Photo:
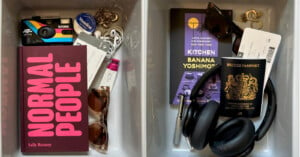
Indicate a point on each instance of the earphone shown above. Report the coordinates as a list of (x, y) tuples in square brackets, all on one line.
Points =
[(235, 137)]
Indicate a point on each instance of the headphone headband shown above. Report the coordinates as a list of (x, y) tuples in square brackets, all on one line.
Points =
[(271, 108)]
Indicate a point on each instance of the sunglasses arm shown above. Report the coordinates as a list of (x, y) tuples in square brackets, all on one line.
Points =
[(237, 30)]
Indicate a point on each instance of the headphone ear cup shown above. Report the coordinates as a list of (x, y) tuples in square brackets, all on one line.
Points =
[(233, 137), (205, 124), (189, 119)]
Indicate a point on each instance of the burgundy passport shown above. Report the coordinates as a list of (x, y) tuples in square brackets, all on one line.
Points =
[(53, 91)]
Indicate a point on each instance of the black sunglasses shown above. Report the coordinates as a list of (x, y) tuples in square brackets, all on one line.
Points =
[(222, 26)]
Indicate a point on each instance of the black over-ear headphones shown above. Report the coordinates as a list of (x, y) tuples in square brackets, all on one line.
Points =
[(232, 138)]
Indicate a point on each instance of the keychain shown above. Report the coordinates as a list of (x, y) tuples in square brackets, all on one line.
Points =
[(254, 17), (105, 17)]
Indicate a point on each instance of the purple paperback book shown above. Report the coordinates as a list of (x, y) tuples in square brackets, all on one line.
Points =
[(193, 51)]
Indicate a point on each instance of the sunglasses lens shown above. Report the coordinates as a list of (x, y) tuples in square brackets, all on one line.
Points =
[(98, 134), (236, 45), (98, 100), (216, 23)]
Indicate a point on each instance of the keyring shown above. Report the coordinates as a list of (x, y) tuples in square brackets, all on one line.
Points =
[(253, 16), (105, 17)]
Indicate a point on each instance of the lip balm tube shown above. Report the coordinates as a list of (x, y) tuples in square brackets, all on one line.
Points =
[(110, 74)]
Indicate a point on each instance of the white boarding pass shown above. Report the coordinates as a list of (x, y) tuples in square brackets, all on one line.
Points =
[(260, 44)]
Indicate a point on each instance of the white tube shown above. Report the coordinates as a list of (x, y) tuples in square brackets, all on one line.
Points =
[(110, 74)]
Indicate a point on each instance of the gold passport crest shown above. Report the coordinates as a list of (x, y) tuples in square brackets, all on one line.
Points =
[(241, 87)]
